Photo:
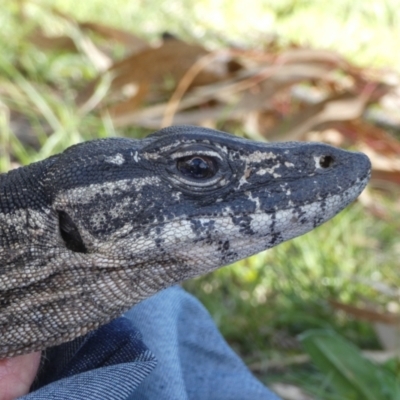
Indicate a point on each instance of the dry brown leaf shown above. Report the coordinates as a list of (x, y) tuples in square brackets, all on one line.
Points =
[(366, 313), (183, 86), (130, 105), (375, 138), (45, 42), (155, 66), (381, 162), (235, 97), (379, 178), (313, 56), (340, 107), (131, 41)]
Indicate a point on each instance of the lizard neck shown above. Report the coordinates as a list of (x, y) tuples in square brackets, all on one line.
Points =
[(20, 187)]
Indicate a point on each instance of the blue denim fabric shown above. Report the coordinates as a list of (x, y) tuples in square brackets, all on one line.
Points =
[(108, 363), (114, 362)]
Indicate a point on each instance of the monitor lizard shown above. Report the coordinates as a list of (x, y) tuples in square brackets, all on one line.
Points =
[(88, 233)]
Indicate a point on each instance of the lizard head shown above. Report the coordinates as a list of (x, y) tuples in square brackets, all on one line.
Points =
[(117, 220), (187, 200)]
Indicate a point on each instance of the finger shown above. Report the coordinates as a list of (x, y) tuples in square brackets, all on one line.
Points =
[(17, 375)]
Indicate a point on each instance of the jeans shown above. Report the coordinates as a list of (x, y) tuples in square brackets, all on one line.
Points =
[(166, 347)]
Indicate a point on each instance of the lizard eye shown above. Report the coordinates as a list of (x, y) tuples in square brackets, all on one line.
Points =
[(197, 167)]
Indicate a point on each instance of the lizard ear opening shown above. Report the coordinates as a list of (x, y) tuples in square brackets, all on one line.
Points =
[(70, 233)]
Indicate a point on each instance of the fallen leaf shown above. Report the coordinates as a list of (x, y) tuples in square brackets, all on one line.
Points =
[(340, 107), (45, 42), (132, 42), (366, 313)]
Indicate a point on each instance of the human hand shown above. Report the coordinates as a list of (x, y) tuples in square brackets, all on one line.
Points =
[(17, 375)]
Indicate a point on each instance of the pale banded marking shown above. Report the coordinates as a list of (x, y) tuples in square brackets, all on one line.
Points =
[(86, 194), (263, 171), (258, 156), (174, 144), (117, 159), (195, 153), (255, 200)]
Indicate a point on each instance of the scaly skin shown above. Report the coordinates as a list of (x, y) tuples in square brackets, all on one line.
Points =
[(88, 233)]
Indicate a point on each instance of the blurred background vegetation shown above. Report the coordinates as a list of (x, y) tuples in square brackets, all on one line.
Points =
[(267, 70)]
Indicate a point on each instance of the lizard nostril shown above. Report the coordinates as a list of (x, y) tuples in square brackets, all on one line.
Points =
[(326, 161)]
